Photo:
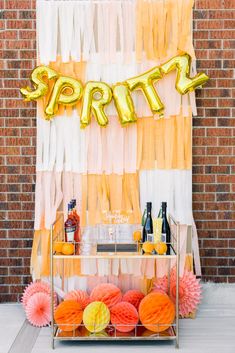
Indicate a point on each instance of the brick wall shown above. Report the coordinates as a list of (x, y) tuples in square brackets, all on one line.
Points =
[(17, 146), (214, 139), (213, 147)]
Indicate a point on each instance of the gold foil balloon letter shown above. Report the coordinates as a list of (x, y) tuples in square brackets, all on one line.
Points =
[(66, 91), (145, 83), (184, 83), (41, 87), (124, 104), (95, 105)]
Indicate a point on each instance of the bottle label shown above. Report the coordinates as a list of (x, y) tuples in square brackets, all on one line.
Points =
[(150, 238), (70, 233), (164, 237)]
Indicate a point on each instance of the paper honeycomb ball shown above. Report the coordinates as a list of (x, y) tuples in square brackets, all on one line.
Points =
[(68, 315), (96, 316), (124, 316), (133, 297), (107, 293), (80, 296), (157, 312)]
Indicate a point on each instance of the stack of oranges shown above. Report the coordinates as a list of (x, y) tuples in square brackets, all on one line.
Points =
[(64, 248)]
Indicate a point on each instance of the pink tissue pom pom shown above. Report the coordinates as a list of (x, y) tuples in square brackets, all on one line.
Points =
[(80, 296), (36, 287), (38, 310)]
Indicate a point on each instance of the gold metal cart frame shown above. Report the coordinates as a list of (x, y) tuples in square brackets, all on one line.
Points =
[(171, 334)]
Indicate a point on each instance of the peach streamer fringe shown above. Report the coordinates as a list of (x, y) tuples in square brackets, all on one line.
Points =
[(163, 28), (164, 143)]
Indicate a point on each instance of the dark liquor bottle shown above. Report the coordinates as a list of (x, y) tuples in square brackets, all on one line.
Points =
[(70, 225), (166, 231), (147, 234)]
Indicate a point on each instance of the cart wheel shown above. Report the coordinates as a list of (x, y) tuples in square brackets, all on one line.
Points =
[(52, 343), (177, 344)]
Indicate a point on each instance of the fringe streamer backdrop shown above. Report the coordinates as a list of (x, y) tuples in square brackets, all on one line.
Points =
[(116, 168)]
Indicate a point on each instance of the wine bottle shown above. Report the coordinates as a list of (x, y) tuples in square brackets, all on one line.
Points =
[(70, 225), (147, 234), (166, 232)]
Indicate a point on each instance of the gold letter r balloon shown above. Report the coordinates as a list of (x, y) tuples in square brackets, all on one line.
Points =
[(95, 104)]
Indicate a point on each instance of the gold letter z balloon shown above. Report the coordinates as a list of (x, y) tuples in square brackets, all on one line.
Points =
[(184, 83), (95, 105), (66, 91), (41, 87), (145, 83), (124, 104)]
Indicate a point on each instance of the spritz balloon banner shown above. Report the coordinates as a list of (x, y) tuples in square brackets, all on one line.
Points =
[(68, 91)]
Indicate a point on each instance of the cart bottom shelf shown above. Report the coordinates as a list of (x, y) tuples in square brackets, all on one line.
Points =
[(110, 334)]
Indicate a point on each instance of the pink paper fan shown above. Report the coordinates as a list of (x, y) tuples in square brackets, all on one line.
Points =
[(36, 287), (80, 296), (189, 291), (38, 309)]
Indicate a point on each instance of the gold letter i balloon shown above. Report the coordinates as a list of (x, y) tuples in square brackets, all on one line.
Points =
[(95, 105), (124, 104)]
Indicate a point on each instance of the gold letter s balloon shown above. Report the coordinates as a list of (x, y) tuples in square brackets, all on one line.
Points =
[(66, 91), (184, 83), (37, 76), (145, 83), (95, 105), (124, 104)]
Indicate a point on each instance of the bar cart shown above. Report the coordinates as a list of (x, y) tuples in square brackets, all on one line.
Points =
[(112, 334)]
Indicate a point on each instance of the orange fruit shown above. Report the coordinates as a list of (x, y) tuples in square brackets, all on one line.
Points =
[(68, 249), (161, 248), (148, 247), (58, 246), (137, 235)]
